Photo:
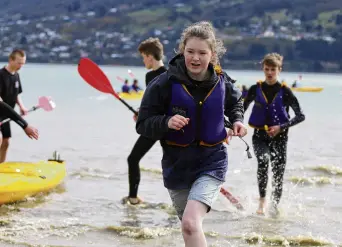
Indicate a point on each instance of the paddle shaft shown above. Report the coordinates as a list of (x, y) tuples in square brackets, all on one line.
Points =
[(128, 106), (112, 91)]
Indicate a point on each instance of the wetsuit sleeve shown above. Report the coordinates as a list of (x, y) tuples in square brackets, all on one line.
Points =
[(152, 119), (291, 100), (233, 105), (9, 112), (249, 97)]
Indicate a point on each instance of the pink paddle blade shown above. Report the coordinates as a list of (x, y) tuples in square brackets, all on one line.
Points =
[(120, 79), (46, 103)]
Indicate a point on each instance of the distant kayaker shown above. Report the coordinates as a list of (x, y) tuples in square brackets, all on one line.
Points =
[(10, 90), (152, 53), (271, 122), (135, 86), (125, 87), (185, 109)]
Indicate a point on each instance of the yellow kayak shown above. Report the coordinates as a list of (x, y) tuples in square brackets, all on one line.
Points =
[(19, 180), (307, 89), (132, 95)]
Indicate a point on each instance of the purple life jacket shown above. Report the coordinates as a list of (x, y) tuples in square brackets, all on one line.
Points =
[(268, 113), (206, 124)]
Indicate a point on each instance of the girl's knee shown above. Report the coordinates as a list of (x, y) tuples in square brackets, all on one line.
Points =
[(193, 217), (190, 225)]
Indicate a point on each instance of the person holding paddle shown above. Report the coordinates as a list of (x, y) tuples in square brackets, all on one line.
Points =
[(152, 52), (271, 122), (185, 109), (10, 89)]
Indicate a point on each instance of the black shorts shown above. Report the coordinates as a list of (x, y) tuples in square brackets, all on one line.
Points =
[(6, 130)]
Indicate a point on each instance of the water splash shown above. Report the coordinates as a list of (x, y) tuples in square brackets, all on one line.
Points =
[(314, 180), (141, 233), (329, 169)]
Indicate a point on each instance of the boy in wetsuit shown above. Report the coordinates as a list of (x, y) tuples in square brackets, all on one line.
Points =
[(10, 89), (271, 122), (152, 52)]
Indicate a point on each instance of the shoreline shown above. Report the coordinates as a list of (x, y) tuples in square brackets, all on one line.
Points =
[(237, 67)]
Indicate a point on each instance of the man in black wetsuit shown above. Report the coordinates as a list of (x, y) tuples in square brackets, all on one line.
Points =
[(271, 121), (10, 89), (151, 51)]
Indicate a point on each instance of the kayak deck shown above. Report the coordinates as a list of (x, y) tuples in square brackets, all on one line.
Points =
[(19, 180), (132, 95), (307, 89)]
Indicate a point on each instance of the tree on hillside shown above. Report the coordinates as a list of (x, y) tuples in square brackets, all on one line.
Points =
[(338, 19)]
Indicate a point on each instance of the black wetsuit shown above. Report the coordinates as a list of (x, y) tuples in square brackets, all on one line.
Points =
[(273, 149), (8, 112), (141, 147), (10, 88)]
